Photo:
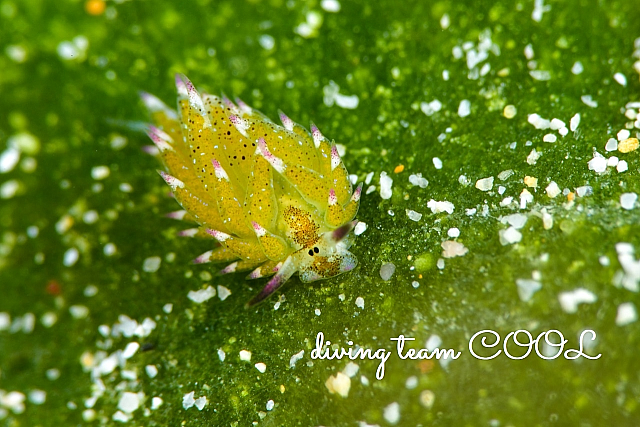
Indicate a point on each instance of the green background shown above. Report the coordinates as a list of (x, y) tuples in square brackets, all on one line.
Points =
[(392, 56)]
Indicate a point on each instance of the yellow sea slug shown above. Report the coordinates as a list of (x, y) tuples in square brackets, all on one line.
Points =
[(277, 198)]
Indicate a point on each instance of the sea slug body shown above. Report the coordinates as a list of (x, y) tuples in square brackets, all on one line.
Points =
[(276, 198)]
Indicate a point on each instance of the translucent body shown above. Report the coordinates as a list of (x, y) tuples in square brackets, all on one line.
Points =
[(276, 198)]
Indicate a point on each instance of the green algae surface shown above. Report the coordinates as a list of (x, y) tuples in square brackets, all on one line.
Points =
[(96, 323)]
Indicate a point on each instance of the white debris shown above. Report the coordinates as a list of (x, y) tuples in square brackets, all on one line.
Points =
[(418, 180), (151, 370), (525, 197), (413, 215), (360, 228), (538, 122), (339, 383), (156, 402), (392, 413), (351, 369), (598, 164), (612, 161), (622, 166), (387, 270), (628, 200), (588, 100), (577, 68), (431, 107), (187, 400), (620, 78), (623, 134), (533, 156), (70, 257), (437, 207), (369, 178), (202, 295), (451, 249), (330, 6), (332, 90), (549, 138), (453, 232), (151, 264), (556, 124), (261, 367), (37, 397), (527, 287), (509, 236), (528, 52), (437, 163), (485, 184), (626, 314), (121, 417), (385, 186), (270, 404), (506, 174), (547, 219), (552, 189), (360, 302), (575, 122), (221, 355), (9, 159), (223, 292), (584, 190), (299, 355), (130, 350), (245, 355), (128, 402), (445, 21), (167, 308), (100, 172), (540, 75), (516, 220), (464, 109), (510, 111), (78, 311), (569, 300)]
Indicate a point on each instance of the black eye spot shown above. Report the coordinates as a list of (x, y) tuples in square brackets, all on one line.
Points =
[(310, 252), (316, 250)]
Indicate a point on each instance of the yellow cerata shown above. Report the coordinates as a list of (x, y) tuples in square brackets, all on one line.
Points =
[(277, 198)]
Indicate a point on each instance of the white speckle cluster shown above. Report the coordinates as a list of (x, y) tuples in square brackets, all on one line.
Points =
[(360, 228), (392, 413), (626, 314), (437, 207), (451, 249), (294, 359), (569, 300), (430, 108), (413, 215), (418, 180), (630, 277), (338, 384), (223, 292), (527, 287), (628, 200), (387, 270), (202, 295), (464, 109), (332, 96), (485, 184), (385, 186)]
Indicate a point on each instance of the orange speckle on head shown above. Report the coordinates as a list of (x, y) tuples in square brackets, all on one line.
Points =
[(398, 169), (95, 7)]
